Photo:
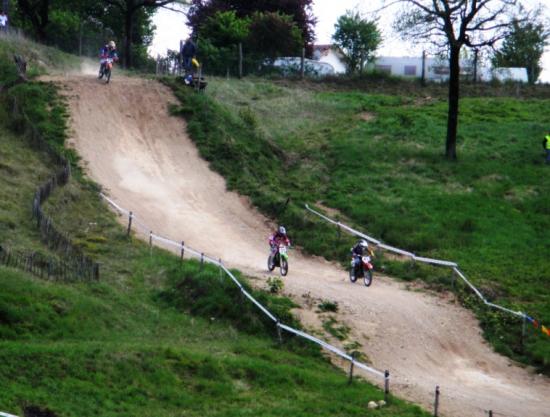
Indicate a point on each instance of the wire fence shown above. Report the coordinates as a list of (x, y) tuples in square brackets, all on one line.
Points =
[(182, 249), (78, 266), (437, 262)]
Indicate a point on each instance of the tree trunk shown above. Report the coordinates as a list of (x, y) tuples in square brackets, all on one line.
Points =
[(128, 28), (454, 89)]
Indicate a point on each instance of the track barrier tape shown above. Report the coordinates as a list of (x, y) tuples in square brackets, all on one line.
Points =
[(219, 263), (431, 261)]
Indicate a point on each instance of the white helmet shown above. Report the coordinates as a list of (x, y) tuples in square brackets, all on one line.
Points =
[(112, 44), (364, 244), (282, 230)]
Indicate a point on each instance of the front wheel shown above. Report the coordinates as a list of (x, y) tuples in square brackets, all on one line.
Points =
[(284, 267), (270, 263), (367, 277), (352, 276), (107, 74)]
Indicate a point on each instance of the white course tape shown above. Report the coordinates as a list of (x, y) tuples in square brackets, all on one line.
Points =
[(332, 349), (261, 307), (435, 261), (474, 289), (6, 415)]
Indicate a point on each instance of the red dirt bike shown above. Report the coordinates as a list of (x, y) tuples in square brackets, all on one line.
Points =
[(278, 257), (361, 267), (105, 69)]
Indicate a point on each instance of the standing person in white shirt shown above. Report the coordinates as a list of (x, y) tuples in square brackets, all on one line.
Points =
[(3, 21)]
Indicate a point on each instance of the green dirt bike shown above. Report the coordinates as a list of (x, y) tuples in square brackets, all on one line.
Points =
[(278, 258)]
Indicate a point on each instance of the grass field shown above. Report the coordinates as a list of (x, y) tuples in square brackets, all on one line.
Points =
[(378, 160), (154, 336)]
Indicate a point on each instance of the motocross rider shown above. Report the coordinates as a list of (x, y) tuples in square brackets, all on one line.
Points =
[(359, 250), (107, 52), (279, 238)]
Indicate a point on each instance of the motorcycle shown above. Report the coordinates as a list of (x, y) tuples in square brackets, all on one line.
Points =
[(279, 258), (362, 269), (105, 69)]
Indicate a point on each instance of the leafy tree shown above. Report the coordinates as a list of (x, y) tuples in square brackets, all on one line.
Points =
[(523, 47), (450, 25), (38, 14), (299, 10), (358, 38), (220, 35), (225, 28), (274, 34)]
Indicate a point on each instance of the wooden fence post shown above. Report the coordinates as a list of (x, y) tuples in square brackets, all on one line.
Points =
[(129, 224), (240, 60), (303, 63), (352, 363), (202, 261), (182, 251), (386, 385), (279, 333), (436, 402), (151, 243)]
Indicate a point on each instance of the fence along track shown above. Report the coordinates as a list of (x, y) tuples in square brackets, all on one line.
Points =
[(83, 267), (385, 376), (436, 262)]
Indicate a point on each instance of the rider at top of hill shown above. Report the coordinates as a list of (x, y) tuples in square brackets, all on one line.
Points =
[(360, 248), (279, 237), (107, 52)]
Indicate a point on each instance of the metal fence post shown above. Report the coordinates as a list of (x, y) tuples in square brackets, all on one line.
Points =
[(221, 269), (182, 250), (303, 63), (129, 224), (202, 261), (436, 403), (151, 242), (352, 363), (386, 384)]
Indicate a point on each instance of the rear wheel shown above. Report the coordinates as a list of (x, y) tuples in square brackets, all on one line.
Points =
[(367, 277), (284, 267)]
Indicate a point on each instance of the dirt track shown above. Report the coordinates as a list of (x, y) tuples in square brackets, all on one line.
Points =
[(145, 161)]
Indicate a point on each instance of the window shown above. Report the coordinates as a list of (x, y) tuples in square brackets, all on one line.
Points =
[(383, 68), (410, 70)]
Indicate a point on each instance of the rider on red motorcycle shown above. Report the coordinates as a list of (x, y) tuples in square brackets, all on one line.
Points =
[(279, 238), (359, 250), (106, 53)]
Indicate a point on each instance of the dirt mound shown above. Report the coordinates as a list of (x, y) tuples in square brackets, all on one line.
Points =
[(146, 162)]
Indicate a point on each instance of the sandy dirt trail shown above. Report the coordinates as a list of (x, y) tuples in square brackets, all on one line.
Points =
[(145, 161)]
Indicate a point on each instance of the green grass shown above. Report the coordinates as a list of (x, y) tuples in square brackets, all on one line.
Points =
[(154, 336), (378, 160)]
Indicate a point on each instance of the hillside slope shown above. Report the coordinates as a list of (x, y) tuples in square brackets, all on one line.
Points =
[(145, 161)]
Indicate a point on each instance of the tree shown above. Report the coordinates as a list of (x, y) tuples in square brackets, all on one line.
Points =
[(299, 10), (219, 37), (523, 47), (450, 25), (38, 14), (129, 10), (274, 34), (358, 38)]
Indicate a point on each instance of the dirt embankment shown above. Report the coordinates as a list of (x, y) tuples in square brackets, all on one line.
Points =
[(145, 161)]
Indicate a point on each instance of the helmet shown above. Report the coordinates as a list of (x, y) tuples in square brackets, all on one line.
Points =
[(112, 44), (282, 230), (364, 244)]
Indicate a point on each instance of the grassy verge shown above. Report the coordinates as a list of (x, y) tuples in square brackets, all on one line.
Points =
[(154, 336), (377, 159)]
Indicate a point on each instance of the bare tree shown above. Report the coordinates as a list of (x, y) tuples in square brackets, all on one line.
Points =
[(450, 25)]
